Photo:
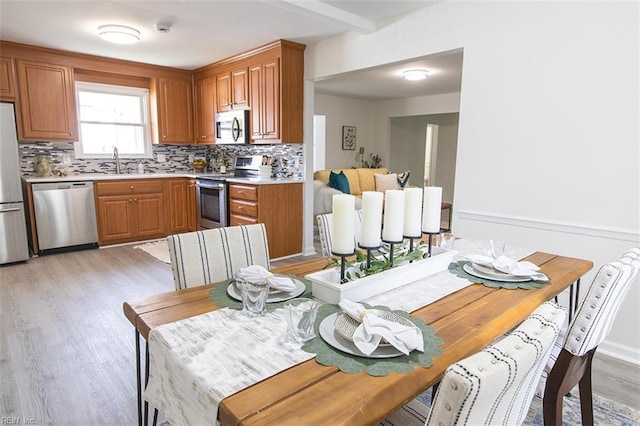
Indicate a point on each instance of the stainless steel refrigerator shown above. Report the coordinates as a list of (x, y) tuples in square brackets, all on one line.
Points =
[(13, 230)]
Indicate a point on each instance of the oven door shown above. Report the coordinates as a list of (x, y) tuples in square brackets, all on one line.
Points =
[(211, 196)]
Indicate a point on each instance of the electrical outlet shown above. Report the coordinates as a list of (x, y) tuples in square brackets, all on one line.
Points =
[(66, 159), (162, 158), (191, 158)]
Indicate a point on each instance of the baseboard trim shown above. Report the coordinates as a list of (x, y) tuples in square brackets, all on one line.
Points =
[(621, 352), (553, 226)]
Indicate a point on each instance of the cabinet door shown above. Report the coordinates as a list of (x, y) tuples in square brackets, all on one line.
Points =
[(47, 102), (175, 106), (7, 79), (114, 219), (240, 88), (223, 92), (271, 100), (149, 215), (264, 95), (205, 99), (179, 201)]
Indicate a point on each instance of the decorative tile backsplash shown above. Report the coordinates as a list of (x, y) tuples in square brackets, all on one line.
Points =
[(289, 161)]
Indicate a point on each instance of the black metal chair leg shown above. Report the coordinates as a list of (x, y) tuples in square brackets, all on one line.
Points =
[(138, 378), (146, 380)]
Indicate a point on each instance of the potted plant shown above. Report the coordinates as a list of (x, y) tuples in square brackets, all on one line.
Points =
[(199, 165)]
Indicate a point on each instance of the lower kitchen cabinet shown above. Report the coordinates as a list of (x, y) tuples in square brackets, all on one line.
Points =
[(182, 202), (278, 206), (130, 210)]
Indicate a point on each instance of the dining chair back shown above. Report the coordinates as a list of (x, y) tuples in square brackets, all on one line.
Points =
[(570, 363), (325, 230), (497, 385), (213, 255)]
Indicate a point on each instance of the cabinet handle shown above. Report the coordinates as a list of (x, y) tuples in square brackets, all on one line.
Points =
[(130, 200), (240, 207), (240, 192), (131, 187), (135, 200)]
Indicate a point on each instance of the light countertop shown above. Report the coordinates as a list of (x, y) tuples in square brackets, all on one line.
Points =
[(104, 176)]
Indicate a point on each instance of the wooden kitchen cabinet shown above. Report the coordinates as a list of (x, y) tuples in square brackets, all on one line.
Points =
[(278, 206), (8, 91), (264, 96), (175, 111), (46, 102), (182, 202), (130, 210), (205, 109), (232, 87)]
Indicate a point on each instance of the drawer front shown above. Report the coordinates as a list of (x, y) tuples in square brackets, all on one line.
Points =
[(244, 208), (242, 220), (141, 186), (243, 192)]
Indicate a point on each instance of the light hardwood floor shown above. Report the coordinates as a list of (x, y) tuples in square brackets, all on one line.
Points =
[(67, 352)]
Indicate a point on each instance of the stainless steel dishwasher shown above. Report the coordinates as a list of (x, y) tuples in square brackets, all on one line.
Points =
[(65, 214)]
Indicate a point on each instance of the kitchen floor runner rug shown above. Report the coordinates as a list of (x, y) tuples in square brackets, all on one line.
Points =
[(158, 249)]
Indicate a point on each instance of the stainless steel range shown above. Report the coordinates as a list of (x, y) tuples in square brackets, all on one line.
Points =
[(212, 194)]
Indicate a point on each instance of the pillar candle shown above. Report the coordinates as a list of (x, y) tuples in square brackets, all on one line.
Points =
[(371, 219), (432, 204), (343, 224), (393, 216), (412, 212)]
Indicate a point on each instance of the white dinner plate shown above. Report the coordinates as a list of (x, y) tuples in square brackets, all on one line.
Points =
[(495, 276), (333, 339), (274, 297)]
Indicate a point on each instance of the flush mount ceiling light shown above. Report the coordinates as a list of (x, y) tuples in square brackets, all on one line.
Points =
[(415, 75), (119, 34)]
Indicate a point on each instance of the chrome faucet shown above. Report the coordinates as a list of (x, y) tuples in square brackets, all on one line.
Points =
[(117, 158)]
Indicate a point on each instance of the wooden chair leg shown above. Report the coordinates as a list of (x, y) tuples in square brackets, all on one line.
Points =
[(586, 393)]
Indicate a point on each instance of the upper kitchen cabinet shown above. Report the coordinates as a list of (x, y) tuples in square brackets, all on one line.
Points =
[(232, 88), (264, 96), (46, 102), (8, 91), (175, 110), (205, 99), (276, 93)]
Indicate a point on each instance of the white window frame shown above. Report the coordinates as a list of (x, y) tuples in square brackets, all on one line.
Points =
[(141, 93)]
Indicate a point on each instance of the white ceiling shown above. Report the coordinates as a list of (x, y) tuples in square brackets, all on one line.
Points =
[(206, 31)]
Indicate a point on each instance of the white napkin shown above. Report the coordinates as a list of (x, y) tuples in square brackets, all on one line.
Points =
[(257, 274), (509, 266), (520, 269), (373, 329)]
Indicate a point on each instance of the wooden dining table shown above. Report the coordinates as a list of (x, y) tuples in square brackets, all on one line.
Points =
[(467, 320)]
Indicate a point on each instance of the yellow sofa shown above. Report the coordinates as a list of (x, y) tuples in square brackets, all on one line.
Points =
[(360, 180)]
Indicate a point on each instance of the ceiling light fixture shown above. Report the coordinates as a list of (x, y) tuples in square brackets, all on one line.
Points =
[(415, 75), (119, 34)]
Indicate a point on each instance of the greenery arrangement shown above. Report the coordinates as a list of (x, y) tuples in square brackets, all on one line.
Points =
[(199, 162), (378, 263), (374, 162)]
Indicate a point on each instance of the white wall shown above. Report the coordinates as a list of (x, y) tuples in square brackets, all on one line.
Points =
[(548, 152), (341, 111)]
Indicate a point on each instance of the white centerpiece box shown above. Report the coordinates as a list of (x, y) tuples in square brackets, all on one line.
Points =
[(326, 284)]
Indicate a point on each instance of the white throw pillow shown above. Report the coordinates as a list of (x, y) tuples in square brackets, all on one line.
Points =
[(386, 182)]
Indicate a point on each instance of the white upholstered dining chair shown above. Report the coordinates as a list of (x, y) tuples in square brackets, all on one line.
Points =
[(496, 385), (570, 362), (325, 230), (213, 255)]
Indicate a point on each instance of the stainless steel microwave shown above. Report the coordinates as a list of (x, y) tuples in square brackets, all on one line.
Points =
[(232, 127)]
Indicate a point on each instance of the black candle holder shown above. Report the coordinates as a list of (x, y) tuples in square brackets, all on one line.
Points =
[(411, 238), (369, 249), (391, 249), (343, 258), (430, 234)]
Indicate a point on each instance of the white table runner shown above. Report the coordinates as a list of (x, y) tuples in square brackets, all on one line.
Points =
[(197, 362)]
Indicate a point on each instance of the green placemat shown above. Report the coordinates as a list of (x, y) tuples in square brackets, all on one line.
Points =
[(219, 294), (327, 355), (456, 269)]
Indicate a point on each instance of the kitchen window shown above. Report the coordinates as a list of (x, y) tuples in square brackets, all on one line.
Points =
[(112, 116)]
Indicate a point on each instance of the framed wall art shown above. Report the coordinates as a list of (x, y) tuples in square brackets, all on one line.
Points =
[(349, 138)]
